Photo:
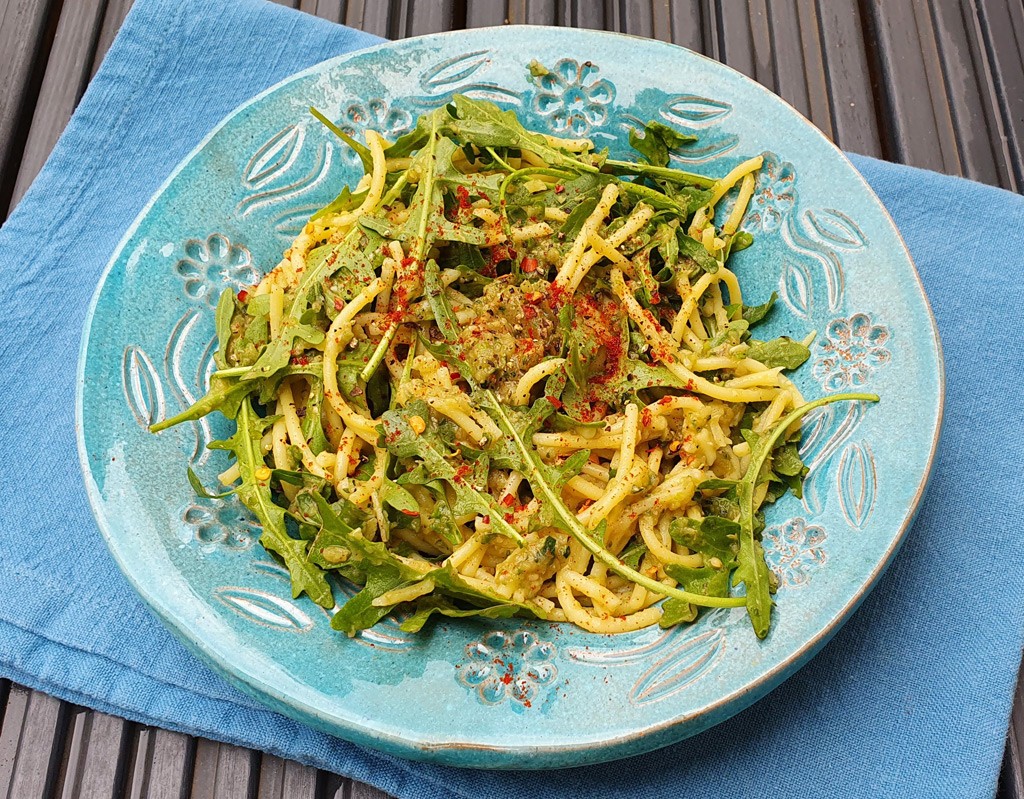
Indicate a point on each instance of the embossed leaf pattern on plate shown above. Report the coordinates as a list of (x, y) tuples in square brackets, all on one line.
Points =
[(143, 391), (686, 662), (856, 482), (265, 608)]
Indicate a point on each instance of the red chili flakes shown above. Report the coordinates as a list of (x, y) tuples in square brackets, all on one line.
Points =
[(554, 401), (529, 312), (411, 512), (666, 400), (559, 188), (243, 296), (646, 417), (486, 520), (529, 265), (508, 500), (462, 194), (338, 304)]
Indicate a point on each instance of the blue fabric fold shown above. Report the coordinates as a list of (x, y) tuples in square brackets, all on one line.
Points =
[(911, 698)]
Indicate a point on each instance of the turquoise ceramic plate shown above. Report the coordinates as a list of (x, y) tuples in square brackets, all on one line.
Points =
[(506, 694)]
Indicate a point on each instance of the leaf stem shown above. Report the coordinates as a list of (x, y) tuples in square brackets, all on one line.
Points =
[(661, 172)]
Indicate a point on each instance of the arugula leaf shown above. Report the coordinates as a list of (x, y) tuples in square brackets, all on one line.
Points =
[(634, 554), (658, 141), (676, 611), (705, 580), (448, 581), (782, 351), (445, 318), (755, 313), (367, 554), (224, 396), (254, 492), (752, 570), (360, 149), (483, 124), (393, 495), (222, 322), (712, 536), (201, 490), (740, 241), (786, 460), (402, 441), (574, 222), (693, 250), (359, 613), (429, 605)]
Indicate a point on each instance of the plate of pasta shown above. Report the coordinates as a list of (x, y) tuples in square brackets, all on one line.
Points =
[(509, 412)]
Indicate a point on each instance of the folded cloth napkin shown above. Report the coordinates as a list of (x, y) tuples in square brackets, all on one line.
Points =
[(911, 698)]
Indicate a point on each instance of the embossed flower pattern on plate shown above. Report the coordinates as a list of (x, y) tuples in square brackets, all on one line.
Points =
[(509, 666), (573, 97), (213, 264), (774, 195), (852, 349), (794, 550), (220, 523)]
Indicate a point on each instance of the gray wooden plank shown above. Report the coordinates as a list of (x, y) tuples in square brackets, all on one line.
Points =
[(160, 765), (1001, 24), (68, 70), (113, 16), (580, 15), (94, 759), (635, 17), (411, 18), (854, 117), (222, 771), (333, 10), (484, 13), (23, 35), (971, 94), (285, 779), (686, 25), (532, 12), (1012, 781), (920, 124), (360, 790), (30, 743), (734, 40), (371, 16)]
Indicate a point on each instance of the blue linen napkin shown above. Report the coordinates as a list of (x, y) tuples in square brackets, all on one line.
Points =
[(911, 698)]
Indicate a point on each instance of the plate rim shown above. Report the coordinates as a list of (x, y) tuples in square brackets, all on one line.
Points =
[(363, 731)]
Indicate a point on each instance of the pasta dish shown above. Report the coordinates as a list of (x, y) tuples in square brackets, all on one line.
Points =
[(506, 374)]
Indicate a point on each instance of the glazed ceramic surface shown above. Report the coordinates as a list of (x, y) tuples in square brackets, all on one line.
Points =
[(512, 693)]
